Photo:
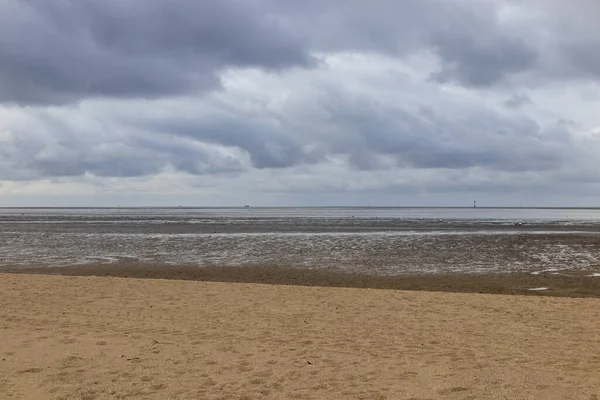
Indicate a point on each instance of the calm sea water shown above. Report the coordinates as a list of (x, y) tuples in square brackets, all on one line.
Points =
[(371, 240)]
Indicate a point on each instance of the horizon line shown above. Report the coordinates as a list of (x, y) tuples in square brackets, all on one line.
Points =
[(304, 206)]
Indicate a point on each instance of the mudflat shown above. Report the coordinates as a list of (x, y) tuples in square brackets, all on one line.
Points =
[(106, 337), (566, 283)]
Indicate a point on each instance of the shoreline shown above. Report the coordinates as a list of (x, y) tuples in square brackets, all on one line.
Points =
[(559, 285)]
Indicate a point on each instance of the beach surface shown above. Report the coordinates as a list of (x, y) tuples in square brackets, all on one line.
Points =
[(114, 338)]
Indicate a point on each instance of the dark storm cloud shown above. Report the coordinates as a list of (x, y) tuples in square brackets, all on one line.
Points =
[(52, 52), (474, 48), (63, 51), (473, 60), (477, 45)]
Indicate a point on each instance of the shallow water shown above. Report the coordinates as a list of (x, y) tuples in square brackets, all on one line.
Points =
[(384, 241)]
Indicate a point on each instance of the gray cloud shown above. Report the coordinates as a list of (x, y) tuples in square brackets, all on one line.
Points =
[(57, 52), (517, 100), (52, 146), (52, 52), (441, 140), (406, 96), (267, 146), (339, 123), (237, 131), (474, 47), (476, 43), (473, 60), (378, 137)]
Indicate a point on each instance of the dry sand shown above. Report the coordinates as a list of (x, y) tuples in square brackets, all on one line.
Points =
[(105, 337)]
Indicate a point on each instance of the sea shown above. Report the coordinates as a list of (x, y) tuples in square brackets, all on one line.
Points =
[(369, 240)]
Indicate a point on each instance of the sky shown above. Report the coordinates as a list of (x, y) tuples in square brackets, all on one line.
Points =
[(295, 103)]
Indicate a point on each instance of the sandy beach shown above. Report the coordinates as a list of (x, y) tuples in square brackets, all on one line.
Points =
[(106, 337)]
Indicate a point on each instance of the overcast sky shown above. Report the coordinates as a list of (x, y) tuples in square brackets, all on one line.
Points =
[(286, 102)]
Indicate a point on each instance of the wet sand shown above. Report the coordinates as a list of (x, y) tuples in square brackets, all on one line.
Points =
[(78, 337), (564, 284), (377, 242)]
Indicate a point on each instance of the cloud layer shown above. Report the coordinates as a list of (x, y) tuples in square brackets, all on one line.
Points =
[(301, 102), (60, 51)]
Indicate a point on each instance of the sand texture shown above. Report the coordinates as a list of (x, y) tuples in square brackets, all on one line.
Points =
[(115, 338)]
